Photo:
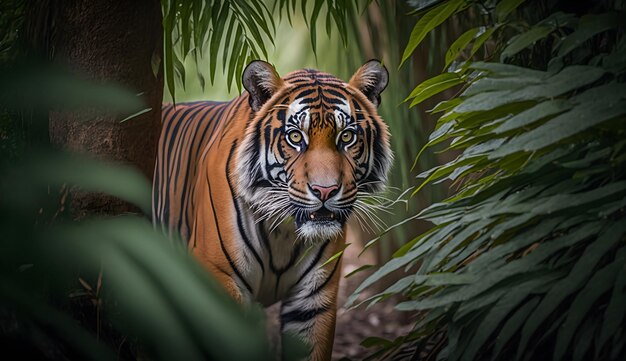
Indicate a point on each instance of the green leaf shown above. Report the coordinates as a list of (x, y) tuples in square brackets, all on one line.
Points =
[(524, 40), (481, 38), (169, 55), (57, 168), (512, 325), (252, 29), (444, 279), (335, 256), (185, 13), (135, 115), (293, 347), (400, 285), (317, 7), (375, 342), (433, 86), (428, 22), (216, 39), (446, 169), (359, 269), (510, 269), (534, 114), (445, 105), (155, 64), (515, 294), (409, 245), (419, 5), (588, 26), (389, 267), (567, 80), (599, 284), (235, 55), (577, 278), (179, 67), (495, 256), (489, 84), (460, 44), (614, 314), (504, 70), (585, 338), (41, 88), (505, 7), (230, 31), (138, 262), (396, 263), (469, 231), (582, 117)]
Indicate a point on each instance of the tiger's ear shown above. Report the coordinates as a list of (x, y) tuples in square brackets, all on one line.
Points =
[(371, 79), (260, 80)]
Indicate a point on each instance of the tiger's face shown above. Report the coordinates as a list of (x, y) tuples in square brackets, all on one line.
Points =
[(314, 148)]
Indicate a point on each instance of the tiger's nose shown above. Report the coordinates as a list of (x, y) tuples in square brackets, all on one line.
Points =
[(324, 192)]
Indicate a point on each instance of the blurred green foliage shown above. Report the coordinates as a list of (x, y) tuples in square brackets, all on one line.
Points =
[(100, 288)]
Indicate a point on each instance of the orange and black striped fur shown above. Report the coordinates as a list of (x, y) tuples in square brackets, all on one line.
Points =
[(261, 187)]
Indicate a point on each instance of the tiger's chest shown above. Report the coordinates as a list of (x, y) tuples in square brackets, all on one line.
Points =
[(274, 262)]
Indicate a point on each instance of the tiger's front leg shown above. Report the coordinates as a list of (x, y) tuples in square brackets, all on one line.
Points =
[(310, 310)]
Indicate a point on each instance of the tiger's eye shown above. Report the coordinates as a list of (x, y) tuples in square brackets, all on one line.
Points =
[(295, 137), (347, 136)]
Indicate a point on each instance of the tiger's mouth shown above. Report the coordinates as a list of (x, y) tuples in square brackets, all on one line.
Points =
[(321, 216), (320, 224)]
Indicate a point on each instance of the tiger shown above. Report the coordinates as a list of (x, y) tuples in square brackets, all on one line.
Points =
[(261, 187)]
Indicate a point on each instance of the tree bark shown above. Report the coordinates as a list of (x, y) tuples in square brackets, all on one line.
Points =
[(110, 41)]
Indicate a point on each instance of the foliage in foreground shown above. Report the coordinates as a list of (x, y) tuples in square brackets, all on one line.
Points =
[(527, 258), (104, 288)]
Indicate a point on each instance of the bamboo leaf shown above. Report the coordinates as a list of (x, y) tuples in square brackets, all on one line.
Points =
[(419, 5), (505, 7), (335, 256), (359, 269), (599, 284), (510, 269), (512, 325), (503, 307), (534, 114), (489, 84), (579, 274), (428, 22), (589, 26), (169, 61), (235, 54), (525, 40), (459, 45), (317, 7), (482, 37), (506, 70), (433, 86), (568, 79), (228, 51), (613, 316), (580, 118), (216, 39), (135, 115)]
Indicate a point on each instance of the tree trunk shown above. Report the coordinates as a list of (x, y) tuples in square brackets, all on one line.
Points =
[(110, 41)]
